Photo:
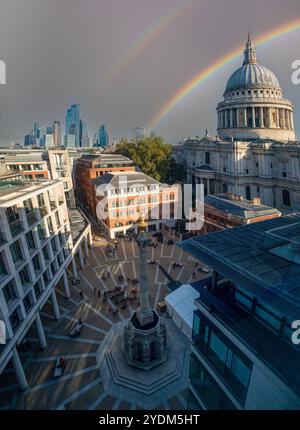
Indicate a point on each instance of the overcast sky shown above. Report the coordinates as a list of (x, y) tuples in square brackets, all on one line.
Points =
[(60, 52)]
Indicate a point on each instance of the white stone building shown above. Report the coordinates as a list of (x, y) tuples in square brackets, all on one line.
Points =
[(255, 153), (39, 240)]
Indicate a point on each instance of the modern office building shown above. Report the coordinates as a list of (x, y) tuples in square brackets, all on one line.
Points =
[(89, 167), (56, 131), (73, 123), (39, 240), (255, 152), (138, 132), (102, 137), (121, 197), (243, 356), (41, 165)]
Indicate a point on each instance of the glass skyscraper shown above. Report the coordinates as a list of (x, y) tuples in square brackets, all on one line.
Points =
[(73, 122), (103, 137)]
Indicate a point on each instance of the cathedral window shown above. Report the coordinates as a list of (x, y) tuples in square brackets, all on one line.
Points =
[(286, 198), (247, 171), (248, 193), (207, 158), (225, 188), (284, 174)]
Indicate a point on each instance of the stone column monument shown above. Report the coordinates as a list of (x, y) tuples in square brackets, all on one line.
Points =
[(145, 338)]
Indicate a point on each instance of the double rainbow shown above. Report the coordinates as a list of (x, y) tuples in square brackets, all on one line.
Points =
[(204, 74)]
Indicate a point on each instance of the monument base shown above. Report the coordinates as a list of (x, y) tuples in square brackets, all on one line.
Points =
[(145, 389)]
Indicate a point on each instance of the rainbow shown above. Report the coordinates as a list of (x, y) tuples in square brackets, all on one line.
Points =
[(204, 74), (150, 35)]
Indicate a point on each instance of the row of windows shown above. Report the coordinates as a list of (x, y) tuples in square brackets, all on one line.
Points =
[(255, 92)]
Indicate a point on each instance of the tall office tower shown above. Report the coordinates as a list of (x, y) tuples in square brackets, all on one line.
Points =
[(48, 138), (83, 134), (103, 137), (73, 123), (138, 132), (36, 131), (56, 131)]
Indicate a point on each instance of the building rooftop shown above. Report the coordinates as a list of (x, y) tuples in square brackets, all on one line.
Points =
[(262, 259), (238, 207), (105, 158), (120, 179), (10, 190)]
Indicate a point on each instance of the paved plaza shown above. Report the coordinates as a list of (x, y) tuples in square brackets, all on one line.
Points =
[(81, 386)]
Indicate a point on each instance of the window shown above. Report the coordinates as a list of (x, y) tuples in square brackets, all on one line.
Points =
[(248, 192), (24, 276), (3, 271), (207, 158), (36, 263), (224, 169), (286, 198), (41, 231), (15, 319), (284, 174), (257, 189), (46, 253), (30, 240), (53, 245), (41, 200), (38, 289), (16, 251), (225, 188), (57, 219), (27, 303), (228, 361), (13, 217), (28, 206), (247, 171), (9, 292)]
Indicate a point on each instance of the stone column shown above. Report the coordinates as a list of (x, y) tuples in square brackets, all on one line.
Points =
[(245, 117), (55, 305), (20, 374), (144, 313), (277, 118), (253, 117), (270, 117), (292, 120), (40, 331), (231, 118), (208, 186), (261, 117), (66, 285)]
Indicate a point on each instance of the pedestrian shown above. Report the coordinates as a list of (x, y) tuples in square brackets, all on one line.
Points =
[(81, 294), (99, 294), (94, 291), (194, 274)]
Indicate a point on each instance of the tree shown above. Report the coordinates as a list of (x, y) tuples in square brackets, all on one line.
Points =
[(151, 154)]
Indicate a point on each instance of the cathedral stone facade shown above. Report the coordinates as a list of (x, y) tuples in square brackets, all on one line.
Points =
[(255, 153)]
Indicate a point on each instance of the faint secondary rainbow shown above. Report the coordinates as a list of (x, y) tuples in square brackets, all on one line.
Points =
[(204, 74), (147, 37)]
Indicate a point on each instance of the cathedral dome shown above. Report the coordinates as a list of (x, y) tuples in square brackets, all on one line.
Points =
[(253, 106), (252, 76)]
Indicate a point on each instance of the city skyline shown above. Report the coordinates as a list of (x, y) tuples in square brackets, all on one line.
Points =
[(134, 59)]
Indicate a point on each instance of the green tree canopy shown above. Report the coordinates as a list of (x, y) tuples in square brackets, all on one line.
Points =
[(151, 154)]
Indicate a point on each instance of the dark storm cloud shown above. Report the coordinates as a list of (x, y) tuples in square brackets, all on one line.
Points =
[(60, 52)]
